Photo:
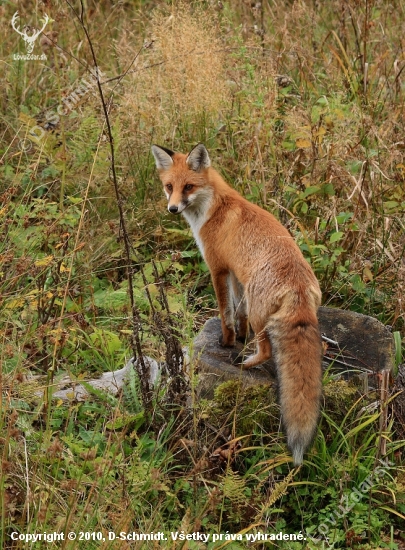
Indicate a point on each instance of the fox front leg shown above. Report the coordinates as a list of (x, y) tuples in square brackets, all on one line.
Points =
[(223, 292), (240, 306)]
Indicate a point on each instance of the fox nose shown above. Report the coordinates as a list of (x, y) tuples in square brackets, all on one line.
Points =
[(173, 209)]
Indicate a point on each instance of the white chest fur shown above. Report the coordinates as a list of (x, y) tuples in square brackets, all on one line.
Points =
[(196, 213)]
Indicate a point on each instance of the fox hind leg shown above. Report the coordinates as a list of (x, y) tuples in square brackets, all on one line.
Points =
[(263, 352)]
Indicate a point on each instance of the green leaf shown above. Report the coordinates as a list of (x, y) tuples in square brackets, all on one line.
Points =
[(323, 101), (391, 205), (328, 189), (190, 253), (50, 172), (289, 145), (125, 420), (105, 340), (111, 299), (311, 190), (343, 217), (336, 236)]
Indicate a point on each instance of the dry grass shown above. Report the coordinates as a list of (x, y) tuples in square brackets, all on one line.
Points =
[(181, 77), (277, 92)]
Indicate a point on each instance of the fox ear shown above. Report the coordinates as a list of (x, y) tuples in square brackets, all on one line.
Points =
[(163, 157), (198, 158)]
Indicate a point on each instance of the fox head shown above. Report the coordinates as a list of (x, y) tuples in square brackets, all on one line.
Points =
[(184, 178)]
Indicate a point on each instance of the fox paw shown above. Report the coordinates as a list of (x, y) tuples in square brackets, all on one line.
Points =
[(252, 361), (227, 342), (241, 362)]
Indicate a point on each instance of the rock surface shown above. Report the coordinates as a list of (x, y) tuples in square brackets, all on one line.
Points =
[(108, 381), (355, 346)]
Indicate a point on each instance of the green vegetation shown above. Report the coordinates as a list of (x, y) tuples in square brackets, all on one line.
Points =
[(301, 105)]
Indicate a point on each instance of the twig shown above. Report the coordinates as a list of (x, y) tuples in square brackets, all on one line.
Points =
[(329, 341), (174, 353), (344, 363), (142, 366), (382, 444), (27, 479)]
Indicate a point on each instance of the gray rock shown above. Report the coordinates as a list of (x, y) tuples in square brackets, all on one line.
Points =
[(356, 346)]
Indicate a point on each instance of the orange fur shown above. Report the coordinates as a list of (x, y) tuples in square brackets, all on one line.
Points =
[(259, 274)]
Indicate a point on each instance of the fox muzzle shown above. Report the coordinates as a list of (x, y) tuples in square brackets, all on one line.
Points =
[(177, 208)]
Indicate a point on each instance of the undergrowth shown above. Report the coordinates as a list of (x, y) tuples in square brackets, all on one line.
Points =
[(301, 105)]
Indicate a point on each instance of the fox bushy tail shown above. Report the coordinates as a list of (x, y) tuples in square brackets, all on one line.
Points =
[(297, 351)]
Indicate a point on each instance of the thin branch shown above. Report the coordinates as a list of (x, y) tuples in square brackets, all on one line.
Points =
[(142, 366)]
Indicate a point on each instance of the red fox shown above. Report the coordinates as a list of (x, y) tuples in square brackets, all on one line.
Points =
[(260, 275)]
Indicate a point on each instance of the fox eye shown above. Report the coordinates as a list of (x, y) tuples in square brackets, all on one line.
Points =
[(169, 187), (188, 187)]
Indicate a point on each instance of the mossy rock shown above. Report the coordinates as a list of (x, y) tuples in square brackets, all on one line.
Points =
[(243, 409), (338, 398)]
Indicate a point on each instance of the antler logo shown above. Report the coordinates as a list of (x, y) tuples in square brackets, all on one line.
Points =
[(29, 39)]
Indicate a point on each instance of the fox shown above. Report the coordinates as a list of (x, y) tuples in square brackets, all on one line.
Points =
[(261, 281)]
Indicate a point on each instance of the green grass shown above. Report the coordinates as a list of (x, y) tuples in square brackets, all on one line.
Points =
[(301, 106)]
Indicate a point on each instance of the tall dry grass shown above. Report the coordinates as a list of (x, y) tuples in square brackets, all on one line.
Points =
[(181, 77)]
